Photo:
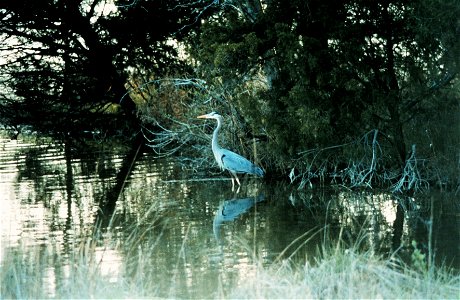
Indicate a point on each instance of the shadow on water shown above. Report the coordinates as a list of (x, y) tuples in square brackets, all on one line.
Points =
[(108, 202)]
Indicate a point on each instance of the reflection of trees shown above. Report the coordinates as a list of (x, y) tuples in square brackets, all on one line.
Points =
[(69, 184), (383, 222), (107, 203), (32, 167), (433, 225), (357, 219), (54, 179), (177, 238)]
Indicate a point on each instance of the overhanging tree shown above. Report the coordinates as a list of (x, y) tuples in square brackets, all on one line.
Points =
[(333, 71), (65, 62)]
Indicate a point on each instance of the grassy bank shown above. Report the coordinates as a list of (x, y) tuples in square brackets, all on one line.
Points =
[(339, 273), (347, 274)]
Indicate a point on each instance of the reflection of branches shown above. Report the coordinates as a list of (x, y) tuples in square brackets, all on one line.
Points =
[(362, 173), (359, 172), (410, 177)]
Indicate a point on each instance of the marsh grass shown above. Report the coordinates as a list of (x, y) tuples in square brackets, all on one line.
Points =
[(92, 270), (341, 271), (348, 274), (38, 272)]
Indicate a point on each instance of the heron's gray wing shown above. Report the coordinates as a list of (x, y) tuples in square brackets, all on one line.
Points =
[(238, 164), (233, 208)]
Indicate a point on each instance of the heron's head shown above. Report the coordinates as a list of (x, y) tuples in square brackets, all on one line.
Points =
[(211, 115)]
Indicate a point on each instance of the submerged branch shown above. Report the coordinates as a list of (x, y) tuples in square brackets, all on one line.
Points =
[(365, 166), (360, 171), (411, 178)]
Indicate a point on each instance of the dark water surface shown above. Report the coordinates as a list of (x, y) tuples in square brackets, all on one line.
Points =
[(194, 230)]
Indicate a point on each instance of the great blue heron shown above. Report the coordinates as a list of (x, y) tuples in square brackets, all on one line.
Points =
[(229, 160), (229, 210)]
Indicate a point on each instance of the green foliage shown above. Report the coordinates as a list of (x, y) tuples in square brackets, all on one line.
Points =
[(314, 75), (418, 259), (296, 76)]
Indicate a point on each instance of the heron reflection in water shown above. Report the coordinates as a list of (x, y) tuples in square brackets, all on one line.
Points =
[(229, 160), (229, 210)]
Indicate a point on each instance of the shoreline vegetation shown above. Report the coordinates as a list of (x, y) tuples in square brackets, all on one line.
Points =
[(336, 272), (365, 158), (311, 93), (360, 94)]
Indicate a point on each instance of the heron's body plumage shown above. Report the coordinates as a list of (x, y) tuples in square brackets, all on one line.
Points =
[(229, 160), (234, 162)]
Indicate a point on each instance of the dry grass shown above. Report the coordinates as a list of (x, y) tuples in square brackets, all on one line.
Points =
[(348, 274), (43, 272)]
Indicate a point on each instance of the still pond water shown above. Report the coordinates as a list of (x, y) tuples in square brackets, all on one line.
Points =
[(198, 233)]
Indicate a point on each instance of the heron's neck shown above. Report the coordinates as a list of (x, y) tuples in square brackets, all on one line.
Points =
[(215, 145)]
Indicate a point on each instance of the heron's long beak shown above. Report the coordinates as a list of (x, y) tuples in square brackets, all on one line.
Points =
[(203, 117)]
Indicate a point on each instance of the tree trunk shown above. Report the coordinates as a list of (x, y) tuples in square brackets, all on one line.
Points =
[(393, 91)]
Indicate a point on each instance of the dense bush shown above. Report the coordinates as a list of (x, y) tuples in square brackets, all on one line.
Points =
[(313, 80)]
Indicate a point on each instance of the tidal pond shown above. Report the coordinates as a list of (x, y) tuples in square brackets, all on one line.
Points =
[(187, 231)]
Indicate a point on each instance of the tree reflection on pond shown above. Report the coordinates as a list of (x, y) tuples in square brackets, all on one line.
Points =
[(194, 234)]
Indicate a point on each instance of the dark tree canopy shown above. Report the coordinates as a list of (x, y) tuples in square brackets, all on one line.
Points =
[(334, 70), (300, 76), (65, 60)]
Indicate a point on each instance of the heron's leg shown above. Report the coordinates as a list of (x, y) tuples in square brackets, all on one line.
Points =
[(237, 180), (235, 177), (233, 185)]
